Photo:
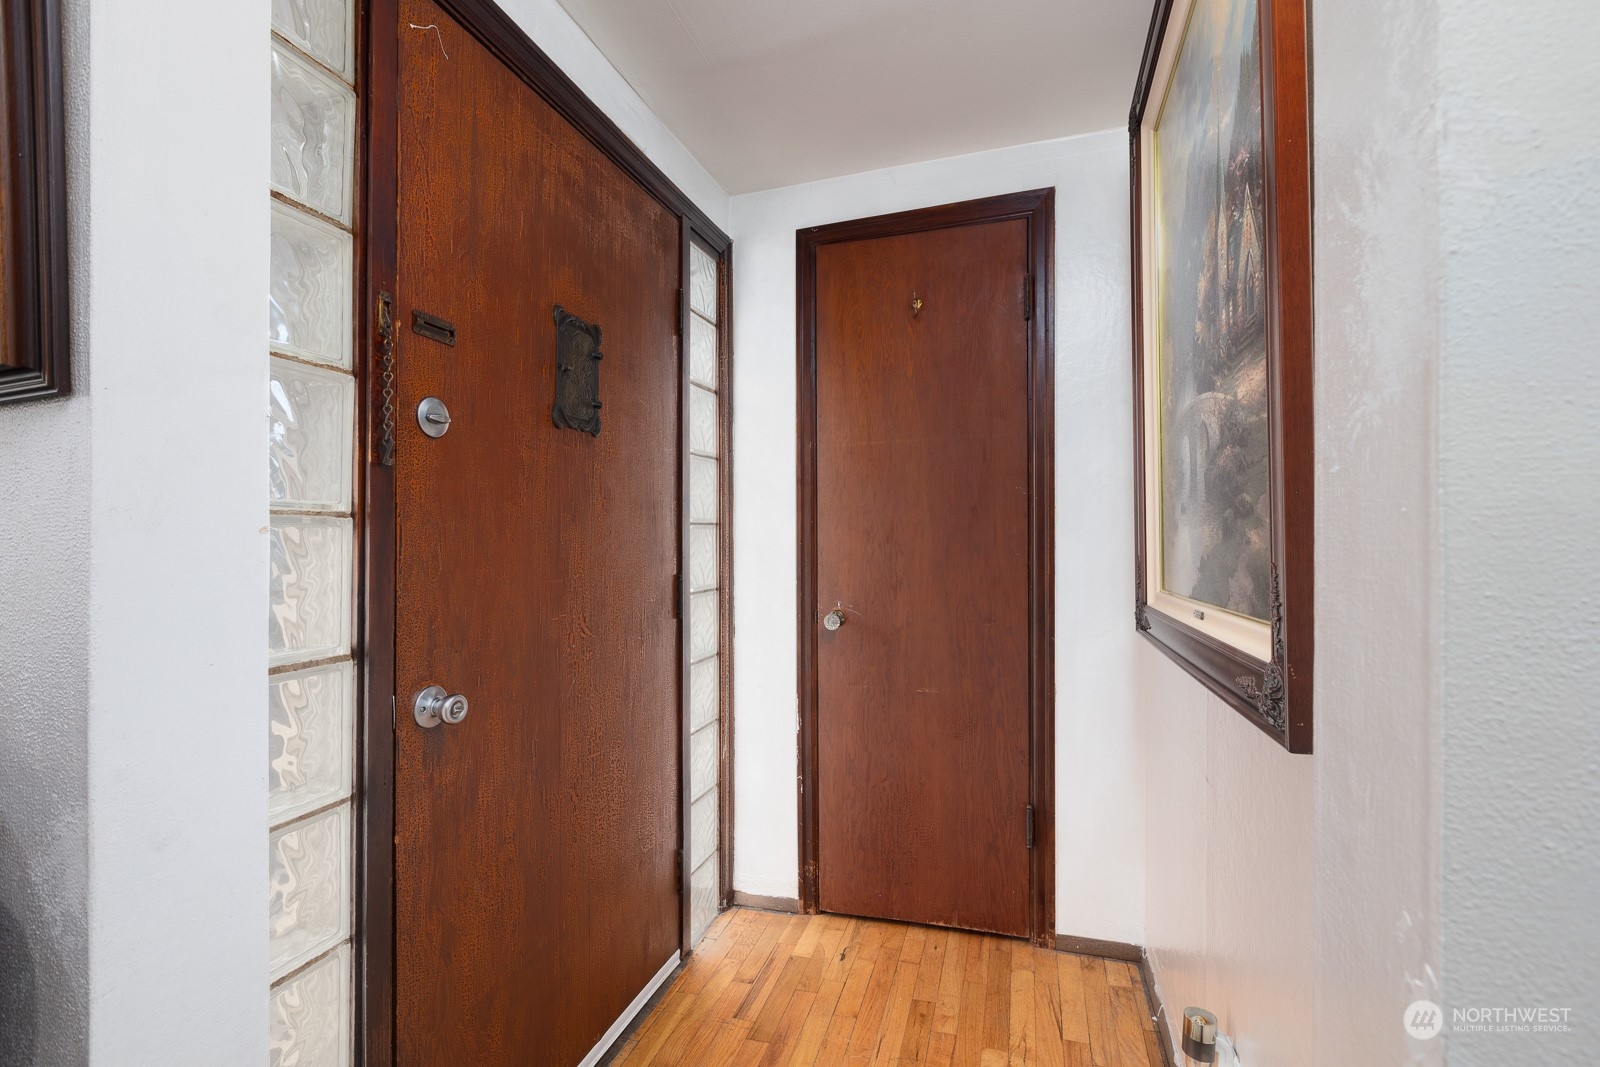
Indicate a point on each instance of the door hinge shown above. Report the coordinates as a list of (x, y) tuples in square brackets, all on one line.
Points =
[(680, 866), (1030, 825), (677, 596), (680, 312), (1027, 298)]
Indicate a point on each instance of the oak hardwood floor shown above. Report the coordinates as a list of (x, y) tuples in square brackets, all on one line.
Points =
[(766, 989)]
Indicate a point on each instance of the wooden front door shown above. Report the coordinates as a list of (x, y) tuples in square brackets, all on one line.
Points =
[(924, 502), (536, 883)]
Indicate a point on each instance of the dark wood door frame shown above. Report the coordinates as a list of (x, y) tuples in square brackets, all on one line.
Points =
[(1037, 208), (376, 240)]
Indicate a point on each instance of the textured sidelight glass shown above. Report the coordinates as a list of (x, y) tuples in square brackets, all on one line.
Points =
[(702, 282), (702, 352), (309, 888), (309, 291), (702, 421), (310, 1015), (702, 489), (704, 889), (703, 762), (310, 717), (704, 684), (702, 829), (702, 558), (323, 29), (702, 626), (313, 135), (308, 614), (308, 448)]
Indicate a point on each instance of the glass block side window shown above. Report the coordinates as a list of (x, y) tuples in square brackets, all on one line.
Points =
[(311, 413), (704, 629)]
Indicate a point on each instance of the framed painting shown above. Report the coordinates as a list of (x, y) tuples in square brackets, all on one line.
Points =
[(35, 359), (1223, 353)]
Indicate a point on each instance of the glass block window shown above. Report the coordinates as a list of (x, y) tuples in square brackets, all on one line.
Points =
[(704, 629), (311, 412)]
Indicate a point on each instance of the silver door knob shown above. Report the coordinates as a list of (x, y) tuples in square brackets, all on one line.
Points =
[(435, 706), (833, 620), (433, 417)]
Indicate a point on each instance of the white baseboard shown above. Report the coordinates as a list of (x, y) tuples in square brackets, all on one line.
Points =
[(596, 1053)]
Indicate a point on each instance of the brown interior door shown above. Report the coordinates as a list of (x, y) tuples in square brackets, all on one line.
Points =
[(922, 543), (536, 876)]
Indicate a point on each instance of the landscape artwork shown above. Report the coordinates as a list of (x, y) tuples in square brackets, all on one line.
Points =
[(1211, 331)]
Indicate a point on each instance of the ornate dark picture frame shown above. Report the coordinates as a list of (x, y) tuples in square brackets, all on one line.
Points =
[(35, 355), (1254, 652)]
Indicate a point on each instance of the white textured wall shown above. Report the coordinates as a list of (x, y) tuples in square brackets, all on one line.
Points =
[(1377, 722), (1456, 247), (1297, 897), (1100, 878), (178, 246), (1520, 488)]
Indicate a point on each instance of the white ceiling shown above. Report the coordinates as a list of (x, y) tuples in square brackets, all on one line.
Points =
[(774, 92)]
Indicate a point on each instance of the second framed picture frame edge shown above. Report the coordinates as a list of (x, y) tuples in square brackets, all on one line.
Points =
[(34, 217), (1274, 694)]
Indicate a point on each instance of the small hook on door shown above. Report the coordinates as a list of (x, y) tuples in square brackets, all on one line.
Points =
[(916, 304)]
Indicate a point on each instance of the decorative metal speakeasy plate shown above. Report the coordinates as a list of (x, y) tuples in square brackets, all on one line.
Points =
[(577, 374)]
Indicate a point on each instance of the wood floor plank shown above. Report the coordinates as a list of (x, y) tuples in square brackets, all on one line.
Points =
[(869, 1023), (779, 990), (857, 978), (772, 970), (1074, 1014), (969, 1027), (777, 1001), (948, 1003), (808, 1046), (1047, 1005), (1097, 1004), (1022, 1019), (1130, 1032), (676, 1047), (836, 1042), (1076, 1054), (930, 969), (1152, 1049), (729, 1039), (918, 1032), (1147, 1016), (787, 1034), (997, 997), (703, 1041), (898, 1012), (942, 1049), (807, 944), (760, 952)]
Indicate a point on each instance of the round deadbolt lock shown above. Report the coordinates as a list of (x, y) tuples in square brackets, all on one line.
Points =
[(433, 417)]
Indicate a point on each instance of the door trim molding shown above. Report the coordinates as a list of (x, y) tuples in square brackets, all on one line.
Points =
[(378, 47), (1037, 208)]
